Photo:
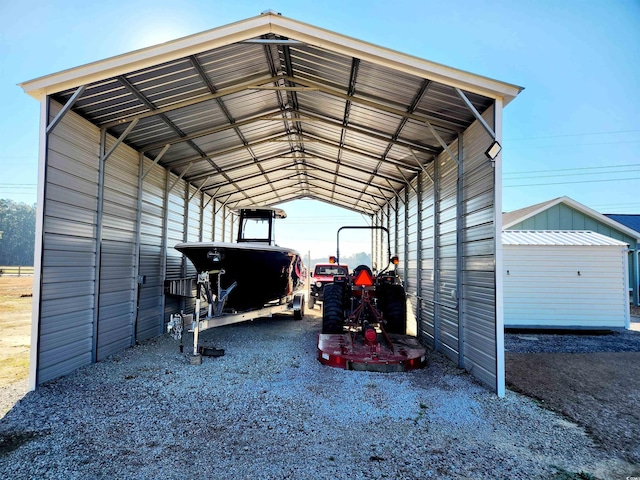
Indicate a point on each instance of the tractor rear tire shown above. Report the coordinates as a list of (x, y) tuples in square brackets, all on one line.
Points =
[(332, 312), (394, 308)]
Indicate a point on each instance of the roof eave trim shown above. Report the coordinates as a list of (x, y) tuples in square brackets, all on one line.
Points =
[(147, 57), (252, 28), (349, 46)]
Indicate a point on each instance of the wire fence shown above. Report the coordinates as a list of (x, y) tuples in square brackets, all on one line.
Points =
[(16, 270)]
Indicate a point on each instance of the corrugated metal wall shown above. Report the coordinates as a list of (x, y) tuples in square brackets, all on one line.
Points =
[(152, 259), (446, 251), (69, 248), (116, 309), (78, 326), (175, 233), (426, 317), (207, 219), (448, 254), (543, 286), (478, 297)]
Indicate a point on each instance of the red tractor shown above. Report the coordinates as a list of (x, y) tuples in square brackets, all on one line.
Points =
[(364, 321)]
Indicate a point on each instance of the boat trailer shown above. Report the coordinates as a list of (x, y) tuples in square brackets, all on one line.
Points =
[(216, 316)]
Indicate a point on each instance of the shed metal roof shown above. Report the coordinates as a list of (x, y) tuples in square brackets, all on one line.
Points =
[(628, 220), (269, 109), (558, 237), (512, 218)]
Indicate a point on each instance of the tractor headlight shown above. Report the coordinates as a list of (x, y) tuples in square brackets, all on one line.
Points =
[(318, 284)]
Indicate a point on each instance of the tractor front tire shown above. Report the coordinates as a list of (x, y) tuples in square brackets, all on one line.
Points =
[(332, 312)]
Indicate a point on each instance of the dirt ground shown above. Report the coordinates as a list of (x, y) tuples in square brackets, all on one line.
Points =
[(596, 390), (15, 328)]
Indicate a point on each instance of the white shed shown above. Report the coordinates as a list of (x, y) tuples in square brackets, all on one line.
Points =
[(564, 279)]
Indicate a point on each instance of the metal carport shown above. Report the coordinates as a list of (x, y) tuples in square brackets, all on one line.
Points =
[(154, 147)]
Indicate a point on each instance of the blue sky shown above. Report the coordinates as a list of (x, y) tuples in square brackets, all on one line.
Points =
[(574, 130)]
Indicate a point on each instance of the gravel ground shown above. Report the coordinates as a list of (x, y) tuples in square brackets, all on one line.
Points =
[(268, 409), (572, 342)]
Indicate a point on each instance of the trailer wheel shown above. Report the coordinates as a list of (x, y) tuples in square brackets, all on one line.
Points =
[(312, 302), (298, 314), (332, 313), (394, 308)]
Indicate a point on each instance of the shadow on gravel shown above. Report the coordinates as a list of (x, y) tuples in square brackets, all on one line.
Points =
[(597, 390)]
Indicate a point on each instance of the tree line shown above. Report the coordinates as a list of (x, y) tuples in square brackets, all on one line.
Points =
[(352, 261), (17, 232)]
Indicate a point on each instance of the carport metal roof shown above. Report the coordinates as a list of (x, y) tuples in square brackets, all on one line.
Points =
[(269, 109)]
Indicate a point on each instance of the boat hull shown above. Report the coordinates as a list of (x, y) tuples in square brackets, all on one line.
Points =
[(263, 273)]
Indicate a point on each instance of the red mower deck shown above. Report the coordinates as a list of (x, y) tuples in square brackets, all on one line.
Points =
[(350, 352)]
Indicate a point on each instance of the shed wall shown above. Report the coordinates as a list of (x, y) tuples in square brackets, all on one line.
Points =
[(565, 286), (563, 217)]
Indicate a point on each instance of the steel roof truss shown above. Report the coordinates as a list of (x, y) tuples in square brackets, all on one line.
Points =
[(171, 187), (199, 188), (450, 127), (414, 104), (407, 182), (251, 81), (424, 169), (220, 153), (476, 114), (442, 142), (345, 195), (320, 179), (156, 160), (357, 180), (120, 139), (149, 104), (363, 154), (243, 179), (241, 123), (66, 107), (365, 132)]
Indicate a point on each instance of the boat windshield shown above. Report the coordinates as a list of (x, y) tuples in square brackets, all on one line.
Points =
[(255, 230)]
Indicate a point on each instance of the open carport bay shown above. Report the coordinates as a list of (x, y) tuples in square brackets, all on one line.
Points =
[(161, 146), (269, 409)]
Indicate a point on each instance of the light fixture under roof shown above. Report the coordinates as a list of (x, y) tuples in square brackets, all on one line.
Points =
[(493, 151)]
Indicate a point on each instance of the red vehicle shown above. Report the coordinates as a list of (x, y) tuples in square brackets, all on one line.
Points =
[(364, 320), (322, 274)]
